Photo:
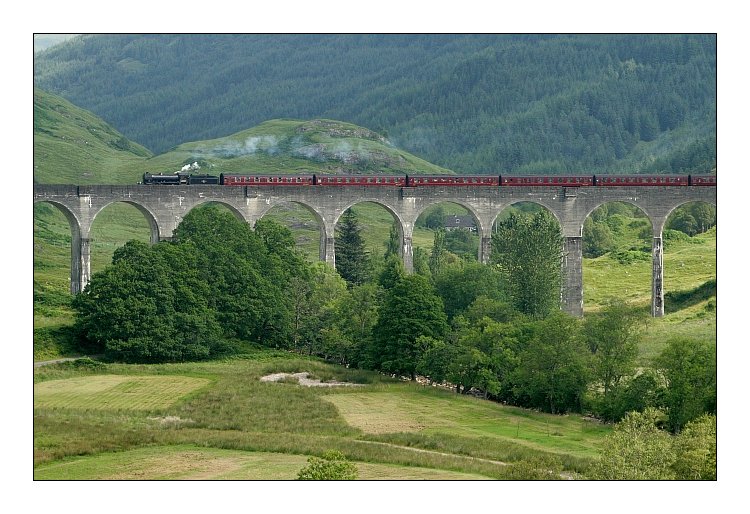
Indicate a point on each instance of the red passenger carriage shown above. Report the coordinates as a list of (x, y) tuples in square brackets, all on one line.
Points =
[(641, 180), (454, 180), (539, 180), (265, 180), (360, 180)]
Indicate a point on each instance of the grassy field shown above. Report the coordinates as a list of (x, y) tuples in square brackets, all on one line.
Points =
[(431, 414), (116, 392), (218, 420), (688, 265), (184, 462)]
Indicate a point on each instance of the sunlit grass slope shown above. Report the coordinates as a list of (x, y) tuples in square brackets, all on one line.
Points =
[(72, 146), (295, 146), (689, 264), (231, 425), (186, 462), (438, 413)]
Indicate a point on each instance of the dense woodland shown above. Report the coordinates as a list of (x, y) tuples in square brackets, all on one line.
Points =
[(471, 103), (493, 330)]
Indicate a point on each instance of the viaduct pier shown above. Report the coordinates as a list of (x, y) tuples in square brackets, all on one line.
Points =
[(165, 206)]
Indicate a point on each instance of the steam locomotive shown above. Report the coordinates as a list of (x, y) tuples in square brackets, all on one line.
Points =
[(225, 179)]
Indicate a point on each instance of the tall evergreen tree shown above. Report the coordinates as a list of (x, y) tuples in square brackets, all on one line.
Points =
[(352, 259)]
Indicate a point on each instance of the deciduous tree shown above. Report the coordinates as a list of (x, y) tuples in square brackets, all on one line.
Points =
[(553, 369), (410, 309), (612, 336), (689, 368), (528, 252), (636, 450)]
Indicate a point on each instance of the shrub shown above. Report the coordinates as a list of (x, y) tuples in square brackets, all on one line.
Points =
[(630, 256), (535, 468), (333, 466)]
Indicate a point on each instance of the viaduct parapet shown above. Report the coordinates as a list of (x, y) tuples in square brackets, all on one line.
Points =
[(165, 206)]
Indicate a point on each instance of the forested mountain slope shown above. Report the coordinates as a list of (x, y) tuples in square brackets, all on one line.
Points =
[(471, 103)]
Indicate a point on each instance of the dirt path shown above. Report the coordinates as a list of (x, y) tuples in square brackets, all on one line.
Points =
[(433, 452), (39, 364)]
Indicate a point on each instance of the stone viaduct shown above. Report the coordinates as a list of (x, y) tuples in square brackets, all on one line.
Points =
[(165, 206)]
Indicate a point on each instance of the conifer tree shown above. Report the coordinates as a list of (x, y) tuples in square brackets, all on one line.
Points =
[(352, 259)]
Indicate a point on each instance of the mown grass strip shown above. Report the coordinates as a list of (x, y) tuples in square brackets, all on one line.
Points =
[(118, 392), (409, 410)]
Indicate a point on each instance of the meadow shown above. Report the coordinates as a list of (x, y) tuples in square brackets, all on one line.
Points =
[(217, 420)]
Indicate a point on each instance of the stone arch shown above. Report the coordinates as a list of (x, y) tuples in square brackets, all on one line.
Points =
[(405, 227), (73, 221), (482, 230), (391, 209), (318, 217), (544, 205), (79, 246), (135, 221), (232, 208), (616, 274), (147, 214), (701, 261), (682, 202), (310, 209), (594, 206), (472, 210)]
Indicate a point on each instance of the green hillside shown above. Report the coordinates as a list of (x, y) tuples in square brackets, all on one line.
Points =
[(73, 146), (292, 146), (472, 103)]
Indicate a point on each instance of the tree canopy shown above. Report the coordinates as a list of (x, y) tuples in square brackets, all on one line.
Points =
[(527, 249), (180, 300), (411, 309)]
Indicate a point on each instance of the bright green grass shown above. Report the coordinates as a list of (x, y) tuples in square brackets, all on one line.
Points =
[(687, 265), (403, 409), (94, 410), (695, 322), (185, 462), (118, 392)]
